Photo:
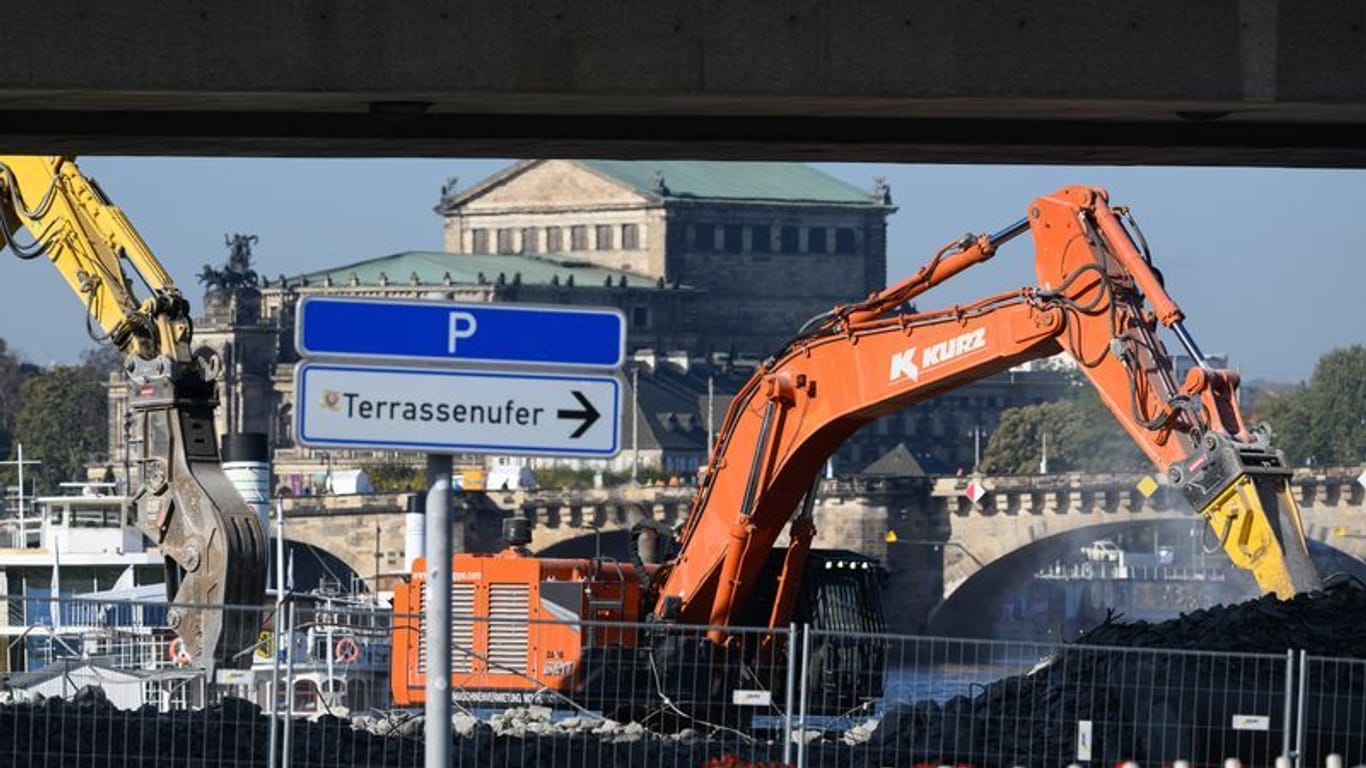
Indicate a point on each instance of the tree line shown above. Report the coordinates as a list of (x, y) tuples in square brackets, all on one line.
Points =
[(1321, 422), (59, 413)]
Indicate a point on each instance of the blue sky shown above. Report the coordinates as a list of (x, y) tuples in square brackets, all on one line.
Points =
[(1267, 263)]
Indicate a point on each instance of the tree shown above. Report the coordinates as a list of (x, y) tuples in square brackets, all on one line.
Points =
[(1323, 422), (62, 420), (9, 396), (1083, 436), (395, 477), (103, 359), (1016, 446)]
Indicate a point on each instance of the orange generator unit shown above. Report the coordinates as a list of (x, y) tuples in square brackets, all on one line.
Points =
[(535, 617), (529, 630)]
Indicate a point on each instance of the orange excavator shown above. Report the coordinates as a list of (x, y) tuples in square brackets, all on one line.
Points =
[(525, 624)]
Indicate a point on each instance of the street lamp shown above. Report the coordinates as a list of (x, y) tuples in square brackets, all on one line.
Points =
[(976, 435)]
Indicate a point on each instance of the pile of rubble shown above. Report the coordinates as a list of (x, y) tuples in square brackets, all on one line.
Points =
[(1327, 623), (87, 730), (1142, 700)]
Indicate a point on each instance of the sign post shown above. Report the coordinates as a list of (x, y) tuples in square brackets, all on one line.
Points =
[(444, 378), (438, 692)]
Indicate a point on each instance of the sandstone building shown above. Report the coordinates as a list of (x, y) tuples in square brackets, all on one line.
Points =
[(766, 244)]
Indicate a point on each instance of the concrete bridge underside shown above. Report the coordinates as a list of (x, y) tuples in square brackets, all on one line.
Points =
[(1256, 82)]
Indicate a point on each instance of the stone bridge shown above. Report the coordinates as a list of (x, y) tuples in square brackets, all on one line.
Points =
[(931, 537), (1018, 511)]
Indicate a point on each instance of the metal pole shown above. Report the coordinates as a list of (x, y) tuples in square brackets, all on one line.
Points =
[(635, 424), (711, 415), (1298, 754), (438, 691), (801, 711), (791, 681), (289, 688), (976, 447), (19, 463), (127, 446), (279, 623), (21, 497), (1289, 712)]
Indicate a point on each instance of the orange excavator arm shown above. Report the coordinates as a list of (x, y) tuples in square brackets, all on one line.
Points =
[(1097, 297)]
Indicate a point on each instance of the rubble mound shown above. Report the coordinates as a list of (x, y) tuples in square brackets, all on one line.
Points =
[(90, 732), (1327, 623), (1149, 696)]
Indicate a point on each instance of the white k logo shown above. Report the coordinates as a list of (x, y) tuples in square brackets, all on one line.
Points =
[(903, 364)]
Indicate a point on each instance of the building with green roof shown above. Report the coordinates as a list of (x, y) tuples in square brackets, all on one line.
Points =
[(767, 244)]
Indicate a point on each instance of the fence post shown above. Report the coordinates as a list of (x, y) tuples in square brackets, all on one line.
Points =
[(788, 694), (805, 695), (1289, 702), (1298, 754), (286, 752), (275, 631)]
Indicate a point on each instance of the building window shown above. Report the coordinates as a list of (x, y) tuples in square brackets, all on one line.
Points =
[(529, 240), (630, 237), (704, 237), (578, 238), (604, 233), (505, 241), (640, 317), (554, 240), (791, 240), (815, 240), (761, 240), (734, 238), (844, 240), (479, 241)]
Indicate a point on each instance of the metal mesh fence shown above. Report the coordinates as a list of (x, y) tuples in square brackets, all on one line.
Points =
[(107, 683), (101, 683), (585, 693), (986, 703), (1332, 705)]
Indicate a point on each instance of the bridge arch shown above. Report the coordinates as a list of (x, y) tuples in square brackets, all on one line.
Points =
[(999, 599)]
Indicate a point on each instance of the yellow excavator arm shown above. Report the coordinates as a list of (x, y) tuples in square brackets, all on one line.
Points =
[(213, 543)]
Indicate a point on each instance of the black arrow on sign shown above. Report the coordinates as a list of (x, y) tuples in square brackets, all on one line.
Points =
[(589, 414)]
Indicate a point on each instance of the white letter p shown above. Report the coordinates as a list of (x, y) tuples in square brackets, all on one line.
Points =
[(462, 326)]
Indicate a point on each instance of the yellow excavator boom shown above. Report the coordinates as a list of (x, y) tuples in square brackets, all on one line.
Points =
[(213, 543)]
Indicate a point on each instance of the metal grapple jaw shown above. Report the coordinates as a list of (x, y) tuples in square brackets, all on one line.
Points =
[(1243, 491), (214, 545)]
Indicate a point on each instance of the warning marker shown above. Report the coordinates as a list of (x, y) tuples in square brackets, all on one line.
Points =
[(890, 537), (1147, 486), (975, 491)]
